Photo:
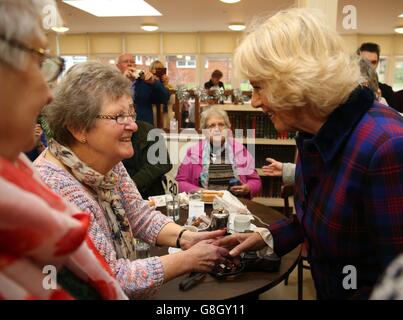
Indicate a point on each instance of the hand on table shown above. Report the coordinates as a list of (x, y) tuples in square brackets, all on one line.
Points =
[(203, 256), (241, 190)]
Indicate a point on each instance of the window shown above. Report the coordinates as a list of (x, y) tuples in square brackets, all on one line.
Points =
[(398, 74), (382, 67), (143, 62), (71, 61), (222, 63), (182, 70), (186, 62), (106, 59)]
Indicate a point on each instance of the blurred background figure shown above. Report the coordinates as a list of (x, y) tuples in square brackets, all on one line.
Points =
[(215, 81), (214, 161), (371, 52), (147, 89)]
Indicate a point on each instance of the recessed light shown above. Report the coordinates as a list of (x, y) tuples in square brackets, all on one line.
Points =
[(61, 29), (230, 1), (400, 15), (115, 8), (399, 29), (149, 27), (236, 26)]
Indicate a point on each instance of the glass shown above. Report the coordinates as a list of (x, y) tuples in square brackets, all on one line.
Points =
[(51, 66), (219, 219), (120, 118), (213, 126), (172, 203), (142, 249)]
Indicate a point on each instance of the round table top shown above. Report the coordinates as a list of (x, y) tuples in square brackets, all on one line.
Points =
[(243, 285)]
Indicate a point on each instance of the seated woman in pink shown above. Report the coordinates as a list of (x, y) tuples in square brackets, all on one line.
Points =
[(92, 120), (214, 161)]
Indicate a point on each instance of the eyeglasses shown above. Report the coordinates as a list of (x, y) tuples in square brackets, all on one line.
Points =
[(119, 118), (220, 126), (51, 66)]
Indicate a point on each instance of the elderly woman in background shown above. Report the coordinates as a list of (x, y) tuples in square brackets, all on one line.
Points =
[(349, 169), (42, 237), (92, 120), (214, 161)]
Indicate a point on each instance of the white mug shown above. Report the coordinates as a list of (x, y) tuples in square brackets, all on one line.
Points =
[(241, 222)]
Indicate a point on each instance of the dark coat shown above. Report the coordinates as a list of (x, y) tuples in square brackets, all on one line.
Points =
[(148, 177)]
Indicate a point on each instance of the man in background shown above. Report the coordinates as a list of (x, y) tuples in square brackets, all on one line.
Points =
[(147, 89), (371, 52), (214, 81)]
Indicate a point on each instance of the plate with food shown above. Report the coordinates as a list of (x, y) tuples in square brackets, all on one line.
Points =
[(208, 196), (202, 223)]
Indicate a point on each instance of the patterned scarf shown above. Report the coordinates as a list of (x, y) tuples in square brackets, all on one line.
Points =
[(108, 199), (206, 160)]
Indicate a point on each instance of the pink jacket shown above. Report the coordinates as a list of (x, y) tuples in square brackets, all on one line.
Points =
[(189, 171)]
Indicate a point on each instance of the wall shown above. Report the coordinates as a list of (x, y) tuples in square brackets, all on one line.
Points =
[(196, 43)]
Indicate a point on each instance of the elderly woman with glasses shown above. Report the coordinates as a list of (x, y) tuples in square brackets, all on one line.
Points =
[(45, 252), (216, 161), (92, 120)]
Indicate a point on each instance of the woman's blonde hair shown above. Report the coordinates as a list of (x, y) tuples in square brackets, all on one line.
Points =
[(299, 61)]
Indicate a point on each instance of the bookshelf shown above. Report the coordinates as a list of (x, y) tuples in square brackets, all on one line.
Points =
[(268, 143)]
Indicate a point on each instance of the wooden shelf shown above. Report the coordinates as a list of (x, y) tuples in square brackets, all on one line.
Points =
[(238, 107), (282, 142), (272, 202)]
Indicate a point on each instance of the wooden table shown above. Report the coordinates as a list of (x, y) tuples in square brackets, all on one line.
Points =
[(247, 285)]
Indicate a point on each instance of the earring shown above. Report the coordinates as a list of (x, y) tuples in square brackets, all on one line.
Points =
[(83, 140)]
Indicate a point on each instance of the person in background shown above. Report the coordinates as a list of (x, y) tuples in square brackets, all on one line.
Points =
[(370, 79), (371, 52), (148, 174), (41, 235), (147, 89), (214, 161), (215, 81), (92, 120), (158, 69), (349, 170), (40, 143)]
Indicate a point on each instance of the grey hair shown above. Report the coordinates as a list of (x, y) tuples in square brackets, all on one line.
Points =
[(214, 111), (368, 74), (21, 20), (79, 97)]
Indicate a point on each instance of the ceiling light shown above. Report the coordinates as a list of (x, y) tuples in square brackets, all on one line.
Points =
[(400, 15), (149, 27), (399, 29), (61, 29), (236, 26), (230, 1), (115, 8)]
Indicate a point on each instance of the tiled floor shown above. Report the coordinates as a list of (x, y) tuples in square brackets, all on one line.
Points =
[(290, 291)]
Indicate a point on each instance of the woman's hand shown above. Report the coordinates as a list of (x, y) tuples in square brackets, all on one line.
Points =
[(203, 256), (274, 169), (241, 242), (241, 190), (190, 238)]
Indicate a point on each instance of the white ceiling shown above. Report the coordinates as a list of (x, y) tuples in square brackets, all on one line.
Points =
[(374, 16)]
